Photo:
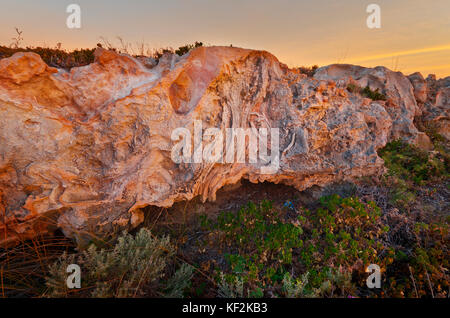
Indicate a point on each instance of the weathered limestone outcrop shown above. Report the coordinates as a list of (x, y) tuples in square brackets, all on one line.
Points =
[(401, 104), (86, 150), (433, 98)]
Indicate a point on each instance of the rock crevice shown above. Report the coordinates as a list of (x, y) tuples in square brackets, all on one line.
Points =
[(85, 150)]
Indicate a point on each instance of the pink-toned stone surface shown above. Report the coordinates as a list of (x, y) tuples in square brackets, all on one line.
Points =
[(400, 104), (85, 150), (433, 98)]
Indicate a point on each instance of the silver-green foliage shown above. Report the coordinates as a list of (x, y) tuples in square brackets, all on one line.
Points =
[(179, 282), (337, 284), (121, 272), (295, 288), (234, 289)]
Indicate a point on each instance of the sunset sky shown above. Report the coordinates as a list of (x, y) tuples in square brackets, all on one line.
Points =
[(414, 34)]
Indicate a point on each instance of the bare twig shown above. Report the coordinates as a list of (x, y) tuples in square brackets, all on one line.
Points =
[(1, 276), (17, 39), (429, 283), (414, 282)]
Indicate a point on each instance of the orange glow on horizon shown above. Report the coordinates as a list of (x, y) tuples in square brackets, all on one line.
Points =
[(402, 53), (414, 34)]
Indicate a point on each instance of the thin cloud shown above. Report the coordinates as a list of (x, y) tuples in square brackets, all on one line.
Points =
[(402, 53)]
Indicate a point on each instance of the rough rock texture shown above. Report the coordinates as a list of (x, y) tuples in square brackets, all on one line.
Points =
[(433, 98), (401, 103), (85, 150)]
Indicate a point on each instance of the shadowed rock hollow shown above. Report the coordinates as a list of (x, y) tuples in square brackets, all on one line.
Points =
[(86, 150)]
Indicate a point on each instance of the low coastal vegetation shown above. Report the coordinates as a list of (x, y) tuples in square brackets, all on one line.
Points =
[(267, 250), (61, 58), (135, 266), (318, 248), (308, 71), (366, 92)]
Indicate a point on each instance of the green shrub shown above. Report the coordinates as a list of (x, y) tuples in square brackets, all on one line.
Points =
[(366, 92), (337, 283), (420, 266), (232, 289), (352, 88), (324, 247), (401, 194), (345, 234), (264, 243), (412, 164), (182, 50), (124, 271), (373, 95), (295, 288), (179, 282), (55, 57), (308, 71)]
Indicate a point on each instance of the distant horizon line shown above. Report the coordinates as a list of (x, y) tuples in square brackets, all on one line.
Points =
[(351, 61)]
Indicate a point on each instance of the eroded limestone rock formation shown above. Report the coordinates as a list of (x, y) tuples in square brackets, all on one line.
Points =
[(86, 150), (433, 98), (400, 104)]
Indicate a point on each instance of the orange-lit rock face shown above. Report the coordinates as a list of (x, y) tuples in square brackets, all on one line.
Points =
[(23, 67), (191, 83), (433, 97), (401, 103), (85, 150)]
